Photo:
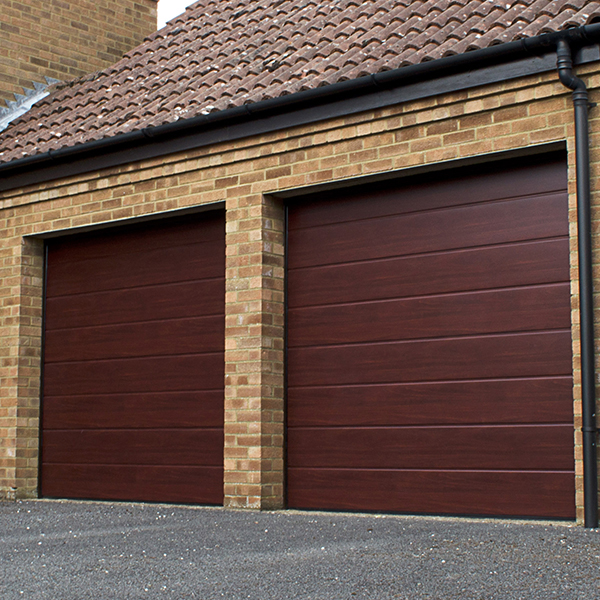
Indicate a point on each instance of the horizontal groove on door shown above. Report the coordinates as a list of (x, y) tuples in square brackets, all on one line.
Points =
[(429, 344), (134, 363)]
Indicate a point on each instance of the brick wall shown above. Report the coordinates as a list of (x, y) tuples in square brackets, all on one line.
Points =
[(64, 39), (244, 174)]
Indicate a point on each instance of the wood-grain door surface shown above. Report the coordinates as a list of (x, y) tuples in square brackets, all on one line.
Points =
[(133, 363), (429, 346)]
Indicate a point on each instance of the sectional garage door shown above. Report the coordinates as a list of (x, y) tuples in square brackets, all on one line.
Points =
[(133, 363), (429, 346)]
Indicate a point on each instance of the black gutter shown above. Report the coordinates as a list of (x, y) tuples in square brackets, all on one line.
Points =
[(577, 37), (586, 288)]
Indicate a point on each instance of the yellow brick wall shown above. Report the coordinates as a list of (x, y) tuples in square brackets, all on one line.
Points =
[(244, 174), (64, 39)]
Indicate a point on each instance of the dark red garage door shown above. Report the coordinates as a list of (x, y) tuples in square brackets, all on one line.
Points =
[(133, 363), (429, 346)]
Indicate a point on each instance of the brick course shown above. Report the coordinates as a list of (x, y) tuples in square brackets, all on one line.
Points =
[(246, 174), (64, 39)]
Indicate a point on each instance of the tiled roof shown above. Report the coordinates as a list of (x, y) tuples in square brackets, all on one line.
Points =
[(225, 53)]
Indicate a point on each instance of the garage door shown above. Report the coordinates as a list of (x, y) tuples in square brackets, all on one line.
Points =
[(133, 363), (429, 346)]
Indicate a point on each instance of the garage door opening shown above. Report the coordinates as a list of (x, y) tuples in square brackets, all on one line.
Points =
[(429, 361), (133, 380)]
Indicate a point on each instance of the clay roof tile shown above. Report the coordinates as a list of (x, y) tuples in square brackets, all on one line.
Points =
[(221, 54)]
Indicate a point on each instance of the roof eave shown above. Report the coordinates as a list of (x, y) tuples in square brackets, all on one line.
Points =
[(497, 54)]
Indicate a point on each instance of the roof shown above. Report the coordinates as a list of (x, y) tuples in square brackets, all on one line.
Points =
[(222, 54)]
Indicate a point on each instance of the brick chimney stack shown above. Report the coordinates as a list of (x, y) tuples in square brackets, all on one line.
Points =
[(64, 39)]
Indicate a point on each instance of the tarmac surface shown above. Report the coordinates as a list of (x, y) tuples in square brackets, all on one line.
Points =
[(68, 550)]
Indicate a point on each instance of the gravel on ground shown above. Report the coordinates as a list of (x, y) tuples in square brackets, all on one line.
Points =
[(71, 550)]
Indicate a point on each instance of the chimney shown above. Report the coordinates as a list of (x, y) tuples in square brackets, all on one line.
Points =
[(44, 41)]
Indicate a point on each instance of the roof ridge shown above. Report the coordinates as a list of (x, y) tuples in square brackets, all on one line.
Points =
[(23, 102)]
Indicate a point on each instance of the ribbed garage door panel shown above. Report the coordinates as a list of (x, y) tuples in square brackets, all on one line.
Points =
[(150, 409), (429, 346), (496, 493), (133, 363), (431, 231), (139, 482), (527, 263), (422, 403), (491, 356)]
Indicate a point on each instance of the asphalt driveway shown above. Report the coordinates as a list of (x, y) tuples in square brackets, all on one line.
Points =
[(64, 550)]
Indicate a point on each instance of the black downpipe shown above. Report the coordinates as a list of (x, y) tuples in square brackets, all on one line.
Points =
[(586, 289)]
